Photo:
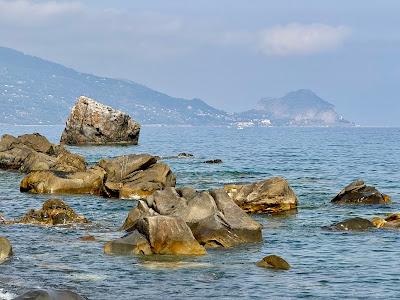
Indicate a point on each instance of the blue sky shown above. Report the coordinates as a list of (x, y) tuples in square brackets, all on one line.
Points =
[(228, 53)]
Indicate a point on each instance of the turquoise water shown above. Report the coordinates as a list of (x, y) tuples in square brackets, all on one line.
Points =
[(318, 162)]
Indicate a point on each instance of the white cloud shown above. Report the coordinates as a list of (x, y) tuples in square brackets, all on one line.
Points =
[(29, 11), (301, 39)]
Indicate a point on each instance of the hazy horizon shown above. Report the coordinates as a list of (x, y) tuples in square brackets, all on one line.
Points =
[(228, 54)]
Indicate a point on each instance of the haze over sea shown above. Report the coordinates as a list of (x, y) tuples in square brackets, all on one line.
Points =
[(318, 163)]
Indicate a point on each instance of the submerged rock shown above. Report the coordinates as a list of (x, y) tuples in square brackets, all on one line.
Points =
[(213, 161), (358, 192), (185, 155), (53, 212), (353, 224), (87, 238), (5, 249), (273, 262), (92, 123), (33, 152), (273, 195), (213, 218), (50, 295), (136, 176)]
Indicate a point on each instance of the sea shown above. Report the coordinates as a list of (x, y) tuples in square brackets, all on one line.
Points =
[(317, 162)]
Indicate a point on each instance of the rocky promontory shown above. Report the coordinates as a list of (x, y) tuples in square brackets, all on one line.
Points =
[(93, 123)]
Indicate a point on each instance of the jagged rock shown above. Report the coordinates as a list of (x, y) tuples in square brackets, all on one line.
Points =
[(214, 219), (53, 212), (273, 262), (5, 249), (359, 193), (49, 182), (353, 224), (136, 176), (269, 196), (93, 123), (33, 152), (49, 294)]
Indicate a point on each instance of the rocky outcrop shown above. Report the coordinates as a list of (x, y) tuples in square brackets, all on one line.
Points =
[(273, 195), (53, 212), (359, 193), (129, 176), (92, 123), (273, 262), (50, 295), (214, 219), (353, 224), (136, 176), (5, 249), (33, 152)]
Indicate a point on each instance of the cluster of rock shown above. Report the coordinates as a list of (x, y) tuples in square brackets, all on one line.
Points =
[(93, 123), (185, 221), (273, 195)]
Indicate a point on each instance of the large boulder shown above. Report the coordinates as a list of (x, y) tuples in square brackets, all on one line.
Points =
[(49, 182), (53, 212), (92, 123), (273, 195), (33, 152), (214, 219), (358, 192), (5, 249), (135, 176), (50, 294)]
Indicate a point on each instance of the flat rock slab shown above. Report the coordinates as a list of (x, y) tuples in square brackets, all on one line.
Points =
[(93, 123)]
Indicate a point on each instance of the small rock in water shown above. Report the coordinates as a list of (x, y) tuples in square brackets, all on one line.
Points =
[(185, 155), (87, 238), (213, 161), (50, 295), (355, 224), (273, 262), (5, 249), (358, 192), (391, 222)]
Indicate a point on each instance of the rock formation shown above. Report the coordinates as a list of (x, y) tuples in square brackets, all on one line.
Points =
[(33, 152), (5, 249), (269, 196), (92, 123), (273, 262), (359, 193), (213, 218)]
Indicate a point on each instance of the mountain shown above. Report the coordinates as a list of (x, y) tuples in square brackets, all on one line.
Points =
[(36, 91), (297, 108)]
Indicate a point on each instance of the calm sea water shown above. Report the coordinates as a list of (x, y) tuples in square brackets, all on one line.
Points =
[(318, 162)]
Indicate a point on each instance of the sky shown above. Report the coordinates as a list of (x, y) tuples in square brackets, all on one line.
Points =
[(229, 53)]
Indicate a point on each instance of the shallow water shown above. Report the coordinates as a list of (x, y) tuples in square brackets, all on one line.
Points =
[(318, 162)]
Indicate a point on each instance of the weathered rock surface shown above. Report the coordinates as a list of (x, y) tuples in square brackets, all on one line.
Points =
[(50, 295), (273, 195), (49, 182), (135, 176), (359, 193), (273, 262), (53, 212), (92, 123), (390, 222), (33, 152), (353, 224), (214, 219), (5, 249)]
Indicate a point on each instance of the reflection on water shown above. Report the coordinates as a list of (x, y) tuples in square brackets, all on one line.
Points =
[(318, 163)]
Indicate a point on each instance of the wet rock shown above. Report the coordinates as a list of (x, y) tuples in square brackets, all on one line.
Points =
[(273, 195), (133, 243), (273, 262), (92, 123), (49, 182), (53, 212), (185, 155), (5, 249), (390, 222), (136, 176), (359, 193), (353, 224), (214, 219), (213, 161), (87, 238), (33, 152), (38, 294)]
